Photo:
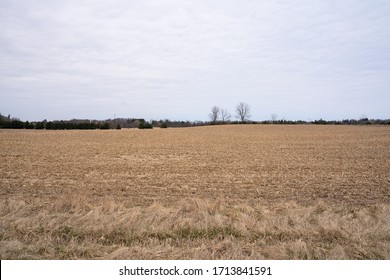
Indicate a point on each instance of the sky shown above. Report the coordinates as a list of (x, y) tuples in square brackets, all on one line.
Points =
[(176, 59)]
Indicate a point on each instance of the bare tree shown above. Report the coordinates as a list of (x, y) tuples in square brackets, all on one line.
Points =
[(214, 115), (274, 117), (243, 112), (225, 116)]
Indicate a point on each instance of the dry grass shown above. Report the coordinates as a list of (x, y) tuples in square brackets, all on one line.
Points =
[(231, 192)]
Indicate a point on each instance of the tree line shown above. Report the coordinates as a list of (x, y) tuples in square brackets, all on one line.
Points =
[(242, 111), (116, 123), (217, 116), (52, 125)]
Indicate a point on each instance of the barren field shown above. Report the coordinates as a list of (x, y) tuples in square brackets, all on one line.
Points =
[(217, 192)]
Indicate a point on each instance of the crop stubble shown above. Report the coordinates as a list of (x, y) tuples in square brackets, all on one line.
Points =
[(220, 173)]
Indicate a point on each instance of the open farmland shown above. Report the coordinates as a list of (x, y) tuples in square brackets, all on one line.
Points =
[(217, 192)]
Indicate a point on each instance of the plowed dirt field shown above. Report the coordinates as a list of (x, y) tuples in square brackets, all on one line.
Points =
[(235, 191)]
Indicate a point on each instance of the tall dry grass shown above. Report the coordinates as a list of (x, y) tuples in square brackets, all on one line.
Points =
[(80, 227)]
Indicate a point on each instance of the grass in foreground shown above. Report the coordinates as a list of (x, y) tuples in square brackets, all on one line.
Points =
[(78, 228)]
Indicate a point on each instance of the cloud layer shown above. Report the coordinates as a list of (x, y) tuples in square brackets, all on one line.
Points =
[(176, 59)]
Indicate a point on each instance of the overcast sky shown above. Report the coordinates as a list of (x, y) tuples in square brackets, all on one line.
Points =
[(176, 59)]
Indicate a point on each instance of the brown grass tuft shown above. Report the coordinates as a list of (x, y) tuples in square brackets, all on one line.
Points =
[(192, 228)]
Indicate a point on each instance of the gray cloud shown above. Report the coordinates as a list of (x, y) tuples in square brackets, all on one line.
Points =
[(175, 59)]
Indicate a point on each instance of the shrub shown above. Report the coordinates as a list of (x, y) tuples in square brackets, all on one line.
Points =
[(39, 125), (145, 125), (105, 126), (28, 125)]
